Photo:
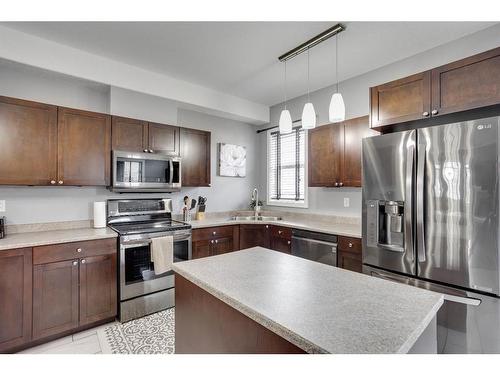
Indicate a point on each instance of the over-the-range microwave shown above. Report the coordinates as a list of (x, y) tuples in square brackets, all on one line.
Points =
[(139, 172)]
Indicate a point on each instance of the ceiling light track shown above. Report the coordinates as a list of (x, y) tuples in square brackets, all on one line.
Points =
[(321, 37)]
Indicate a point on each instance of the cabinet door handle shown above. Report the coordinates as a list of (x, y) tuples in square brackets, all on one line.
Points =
[(83, 261), (52, 182), (145, 150), (425, 114), (150, 151), (214, 233), (280, 231), (434, 112), (216, 241), (336, 184), (288, 242), (350, 244), (212, 241), (341, 184), (75, 263), (267, 226), (61, 182), (79, 250)]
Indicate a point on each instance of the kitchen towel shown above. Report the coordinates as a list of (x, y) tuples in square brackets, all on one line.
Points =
[(162, 253), (99, 214)]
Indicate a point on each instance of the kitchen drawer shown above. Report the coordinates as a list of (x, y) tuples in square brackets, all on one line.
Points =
[(73, 250), (352, 245), (212, 232), (281, 232)]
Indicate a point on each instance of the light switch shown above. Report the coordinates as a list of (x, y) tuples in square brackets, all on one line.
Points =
[(346, 202), (2, 206)]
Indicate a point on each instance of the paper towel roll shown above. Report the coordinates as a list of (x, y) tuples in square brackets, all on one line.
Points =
[(99, 214)]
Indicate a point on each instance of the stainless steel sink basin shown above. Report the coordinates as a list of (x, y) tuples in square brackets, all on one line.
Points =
[(253, 218)]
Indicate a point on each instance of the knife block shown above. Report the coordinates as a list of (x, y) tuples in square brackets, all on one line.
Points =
[(200, 216)]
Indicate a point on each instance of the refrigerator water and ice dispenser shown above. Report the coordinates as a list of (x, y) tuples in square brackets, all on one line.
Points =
[(385, 224)]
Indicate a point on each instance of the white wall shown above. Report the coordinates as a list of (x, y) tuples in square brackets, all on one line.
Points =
[(50, 204), (356, 96)]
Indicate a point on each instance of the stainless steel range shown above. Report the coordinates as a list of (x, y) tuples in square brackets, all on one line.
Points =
[(138, 221)]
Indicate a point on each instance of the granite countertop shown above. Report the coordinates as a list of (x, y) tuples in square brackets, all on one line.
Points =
[(341, 229), (319, 308), (49, 237)]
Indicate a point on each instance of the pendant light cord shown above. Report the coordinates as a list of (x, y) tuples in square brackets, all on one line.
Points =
[(285, 86), (337, 60), (308, 83)]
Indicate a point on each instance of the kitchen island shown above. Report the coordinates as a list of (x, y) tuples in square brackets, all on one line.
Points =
[(262, 301)]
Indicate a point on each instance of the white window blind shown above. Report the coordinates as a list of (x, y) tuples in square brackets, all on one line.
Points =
[(286, 166)]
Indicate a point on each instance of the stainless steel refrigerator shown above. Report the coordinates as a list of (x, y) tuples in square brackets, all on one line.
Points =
[(431, 219)]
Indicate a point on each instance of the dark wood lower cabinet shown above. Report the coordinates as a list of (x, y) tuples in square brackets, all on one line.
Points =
[(204, 324), (214, 240), (201, 249), (55, 298), (98, 291), (15, 298), (349, 255), (281, 239), (252, 235)]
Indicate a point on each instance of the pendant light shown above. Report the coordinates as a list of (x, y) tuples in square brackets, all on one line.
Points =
[(308, 113), (336, 112), (285, 124)]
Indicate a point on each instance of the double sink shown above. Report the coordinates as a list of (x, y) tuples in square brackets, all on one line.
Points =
[(256, 218)]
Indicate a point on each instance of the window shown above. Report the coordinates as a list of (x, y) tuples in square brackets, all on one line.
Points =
[(286, 168)]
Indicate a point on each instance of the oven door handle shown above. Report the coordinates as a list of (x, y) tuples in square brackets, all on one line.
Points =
[(128, 245)]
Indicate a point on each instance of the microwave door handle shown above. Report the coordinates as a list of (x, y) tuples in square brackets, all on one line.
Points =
[(420, 202)]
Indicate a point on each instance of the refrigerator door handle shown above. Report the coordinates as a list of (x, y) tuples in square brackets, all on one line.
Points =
[(408, 231), (420, 202)]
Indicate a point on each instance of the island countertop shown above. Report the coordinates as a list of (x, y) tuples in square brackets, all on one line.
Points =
[(316, 307)]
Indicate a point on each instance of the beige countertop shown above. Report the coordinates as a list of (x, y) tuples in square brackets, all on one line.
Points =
[(49, 237), (341, 229), (335, 311)]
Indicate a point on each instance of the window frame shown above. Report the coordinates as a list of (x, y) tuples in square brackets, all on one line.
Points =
[(288, 203)]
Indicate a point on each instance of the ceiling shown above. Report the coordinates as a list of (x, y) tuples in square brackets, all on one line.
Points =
[(240, 58)]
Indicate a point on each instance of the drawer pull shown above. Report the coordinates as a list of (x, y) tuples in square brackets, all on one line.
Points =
[(214, 233), (75, 263), (216, 241), (79, 250), (350, 244), (280, 232), (288, 242), (212, 241), (83, 261)]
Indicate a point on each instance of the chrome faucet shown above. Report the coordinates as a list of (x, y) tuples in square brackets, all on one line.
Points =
[(255, 197)]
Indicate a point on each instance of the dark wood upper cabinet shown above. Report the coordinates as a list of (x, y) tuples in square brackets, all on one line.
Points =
[(28, 142), (354, 131), (15, 298), (164, 138), (129, 134), (84, 147), (405, 99), (55, 298), (195, 152), (325, 149), (335, 153), (98, 291), (470, 83)]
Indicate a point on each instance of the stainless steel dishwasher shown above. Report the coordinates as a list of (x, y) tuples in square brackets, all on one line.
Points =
[(318, 247)]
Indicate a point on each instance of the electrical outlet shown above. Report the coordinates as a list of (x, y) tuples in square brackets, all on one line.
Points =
[(2, 206), (346, 202)]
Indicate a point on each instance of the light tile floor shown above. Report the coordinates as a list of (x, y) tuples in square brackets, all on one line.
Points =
[(85, 342)]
